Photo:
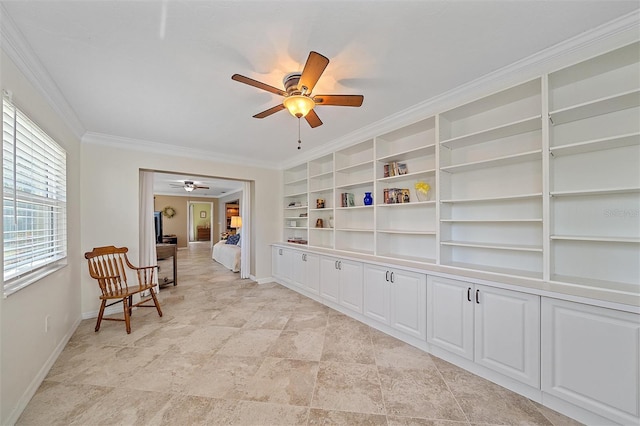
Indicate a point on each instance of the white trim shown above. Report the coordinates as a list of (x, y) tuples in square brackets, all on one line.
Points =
[(121, 142)]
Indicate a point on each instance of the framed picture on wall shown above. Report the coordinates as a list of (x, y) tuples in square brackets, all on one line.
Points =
[(203, 215)]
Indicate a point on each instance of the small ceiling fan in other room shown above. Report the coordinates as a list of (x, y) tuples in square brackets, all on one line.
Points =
[(297, 93), (189, 186)]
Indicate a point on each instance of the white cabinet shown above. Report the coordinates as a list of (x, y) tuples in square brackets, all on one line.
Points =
[(495, 328), (341, 282), (282, 263), (306, 271), (591, 358), (397, 298)]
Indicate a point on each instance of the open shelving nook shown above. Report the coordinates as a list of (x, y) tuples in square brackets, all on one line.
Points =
[(538, 181)]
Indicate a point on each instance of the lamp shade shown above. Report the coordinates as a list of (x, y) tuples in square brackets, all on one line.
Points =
[(236, 221), (299, 105)]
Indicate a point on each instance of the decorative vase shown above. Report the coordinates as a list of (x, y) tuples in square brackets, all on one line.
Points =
[(368, 199), (422, 196)]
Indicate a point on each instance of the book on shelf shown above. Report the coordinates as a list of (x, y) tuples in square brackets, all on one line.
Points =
[(395, 169), (396, 195), (347, 199)]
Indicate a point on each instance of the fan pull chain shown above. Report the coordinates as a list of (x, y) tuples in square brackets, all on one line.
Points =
[(299, 141)]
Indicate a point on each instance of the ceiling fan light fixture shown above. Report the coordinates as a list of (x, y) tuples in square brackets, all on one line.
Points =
[(298, 105), (189, 186)]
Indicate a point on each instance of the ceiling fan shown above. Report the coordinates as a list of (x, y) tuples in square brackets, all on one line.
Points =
[(297, 92), (189, 186)]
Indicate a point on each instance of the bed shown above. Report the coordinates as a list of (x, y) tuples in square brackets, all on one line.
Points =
[(227, 253)]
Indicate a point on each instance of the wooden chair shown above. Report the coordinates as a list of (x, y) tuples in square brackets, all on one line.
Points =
[(107, 265)]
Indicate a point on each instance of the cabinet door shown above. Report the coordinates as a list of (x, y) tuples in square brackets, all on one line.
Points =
[(281, 263), (591, 358), (376, 293), (409, 302), (299, 269), (329, 278), (312, 281), (350, 285), (507, 333), (450, 315)]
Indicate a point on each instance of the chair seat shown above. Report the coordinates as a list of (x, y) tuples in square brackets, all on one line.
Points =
[(125, 292)]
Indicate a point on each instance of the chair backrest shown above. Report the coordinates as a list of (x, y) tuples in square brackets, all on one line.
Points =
[(107, 265)]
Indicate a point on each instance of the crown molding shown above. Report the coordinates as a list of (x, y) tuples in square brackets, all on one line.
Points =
[(132, 144), (611, 35), (20, 52)]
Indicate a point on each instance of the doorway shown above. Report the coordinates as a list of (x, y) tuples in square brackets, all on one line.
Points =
[(201, 220)]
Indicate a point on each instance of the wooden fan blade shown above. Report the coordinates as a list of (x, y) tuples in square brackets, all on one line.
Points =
[(313, 69), (339, 100), (258, 84), (313, 119), (269, 111), (201, 187)]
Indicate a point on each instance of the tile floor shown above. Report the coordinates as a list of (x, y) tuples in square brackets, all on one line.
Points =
[(231, 352)]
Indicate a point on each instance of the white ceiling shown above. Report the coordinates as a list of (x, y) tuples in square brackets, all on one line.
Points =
[(160, 71), (173, 184)]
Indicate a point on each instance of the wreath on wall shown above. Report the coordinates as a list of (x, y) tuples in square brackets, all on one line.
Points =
[(169, 212)]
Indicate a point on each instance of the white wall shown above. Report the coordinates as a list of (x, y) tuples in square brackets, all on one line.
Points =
[(26, 350), (109, 190)]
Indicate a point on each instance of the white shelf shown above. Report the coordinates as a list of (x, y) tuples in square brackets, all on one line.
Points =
[(409, 154), (491, 220), (304, 228), (296, 181), (354, 207), (322, 175), (493, 199), (325, 189), (408, 258), (355, 185), (356, 167), (410, 204), (356, 250), (501, 271), (600, 106), (295, 217), (296, 208), (296, 194), (596, 239), (495, 162), (321, 210), (590, 282), (618, 141), (354, 230), (493, 246), (408, 176), (406, 232), (610, 191), (321, 229), (500, 132)]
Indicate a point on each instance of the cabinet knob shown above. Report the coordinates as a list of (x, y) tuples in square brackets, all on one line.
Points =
[(477, 296), (340, 264), (386, 276), (392, 278), (469, 294)]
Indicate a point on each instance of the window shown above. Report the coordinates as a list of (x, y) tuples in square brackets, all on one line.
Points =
[(34, 199)]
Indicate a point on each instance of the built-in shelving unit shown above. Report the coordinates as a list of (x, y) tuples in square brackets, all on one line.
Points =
[(296, 203), (540, 180), (490, 165), (594, 139)]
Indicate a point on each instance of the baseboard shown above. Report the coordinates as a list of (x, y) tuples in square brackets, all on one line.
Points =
[(262, 280), (42, 374), (111, 310)]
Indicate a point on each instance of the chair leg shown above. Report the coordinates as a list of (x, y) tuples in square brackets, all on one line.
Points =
[(127, 320), (155, 301), (100, 314), (130, 305)]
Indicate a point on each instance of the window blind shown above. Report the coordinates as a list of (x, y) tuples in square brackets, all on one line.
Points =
[(34, 198)]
